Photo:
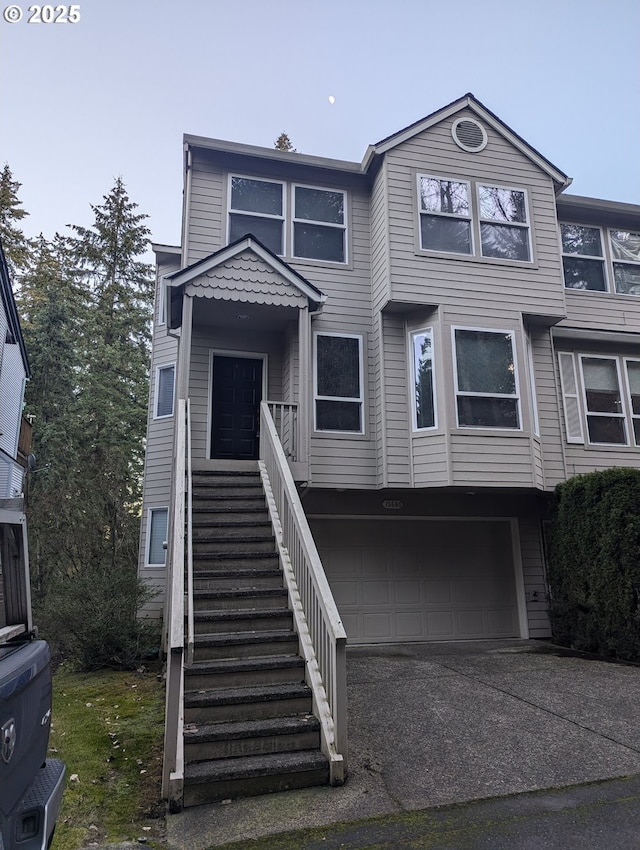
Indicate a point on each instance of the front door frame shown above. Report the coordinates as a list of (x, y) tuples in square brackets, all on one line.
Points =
[(226, 352)]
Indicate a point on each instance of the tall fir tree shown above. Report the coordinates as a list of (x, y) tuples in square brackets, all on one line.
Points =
[(49, 305), (113, 380), (17, 247)]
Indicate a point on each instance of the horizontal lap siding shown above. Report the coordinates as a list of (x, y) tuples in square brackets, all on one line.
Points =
[(549, 409), (603, 312), (159, 447), (423, 279), (491, 460), (535, 585), (206, 223), (397, 414), (430, 467)]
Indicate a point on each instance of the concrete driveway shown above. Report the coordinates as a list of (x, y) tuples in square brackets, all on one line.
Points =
[(431, 724)]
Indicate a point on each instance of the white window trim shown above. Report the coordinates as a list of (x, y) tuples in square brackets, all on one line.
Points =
[(159, 369), (161, 318), (270, 216), (453, 216), (533, 396), (295, 220), (570, 391), (458, 393), (622, 389), (602, 259), (412, 389), (353, 399), (147, 557), (499, 223), (627, 388), (614, 260)]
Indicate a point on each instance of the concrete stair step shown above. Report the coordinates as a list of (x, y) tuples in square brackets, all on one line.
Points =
[(210, 781), (245, 644), (266, 578), (247, 544), (240, 599), (256, 702), (249, 620), (236, 739), (244, 672)]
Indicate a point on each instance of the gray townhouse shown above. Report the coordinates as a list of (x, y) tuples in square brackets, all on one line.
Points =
[(425, 343)]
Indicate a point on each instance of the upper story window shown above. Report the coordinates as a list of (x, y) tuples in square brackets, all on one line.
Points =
[(594, 264), (445, 215), (625, 254), (606, 396), (257, 207), (453, 222), (424, 410), (165, 382), (504, 226), (485, 378), (338, 383), (319, 224), (316, 224), (583, 258), (157, 536)]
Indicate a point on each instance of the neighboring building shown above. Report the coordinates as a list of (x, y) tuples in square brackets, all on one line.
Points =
[(14, 372), (455, 335)]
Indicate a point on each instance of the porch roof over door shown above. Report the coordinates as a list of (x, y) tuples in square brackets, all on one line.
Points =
[(247, 272)]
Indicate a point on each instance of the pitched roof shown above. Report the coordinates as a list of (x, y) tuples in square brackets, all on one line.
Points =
[(235, 249), (467, 101)]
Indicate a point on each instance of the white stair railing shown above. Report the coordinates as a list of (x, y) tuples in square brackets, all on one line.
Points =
[(321, 633)]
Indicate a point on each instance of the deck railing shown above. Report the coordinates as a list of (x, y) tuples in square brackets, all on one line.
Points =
[(173, 764), (285, 419), (321, 633)]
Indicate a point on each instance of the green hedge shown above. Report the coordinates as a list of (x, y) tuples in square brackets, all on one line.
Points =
[(594, 563)]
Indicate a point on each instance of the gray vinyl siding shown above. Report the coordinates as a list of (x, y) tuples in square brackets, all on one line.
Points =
[(397, 412), (549, 409), (159, 449), (12, 380), (603, 311), (533, 570), (486, 287), (205, 215)]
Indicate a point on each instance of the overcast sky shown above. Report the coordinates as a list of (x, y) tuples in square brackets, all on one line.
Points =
[(112, 94)]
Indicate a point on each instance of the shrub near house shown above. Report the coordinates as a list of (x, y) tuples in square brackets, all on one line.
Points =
[(594, 566)]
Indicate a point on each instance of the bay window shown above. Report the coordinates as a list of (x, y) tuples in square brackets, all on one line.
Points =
[(424, 414), (485, 379)]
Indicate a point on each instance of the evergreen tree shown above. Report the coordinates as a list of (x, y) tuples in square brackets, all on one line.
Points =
[(283, 143), (16, 246), (48, 302), (113, 379)]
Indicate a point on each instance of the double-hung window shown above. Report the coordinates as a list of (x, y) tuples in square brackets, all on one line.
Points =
[(165, 383), (582, 257), (485, 378), (625, 255), (257, 207), (504, 226), (338, 381), (445, 215), (157, 536), (424, 409), (603, 400), (319, 224)]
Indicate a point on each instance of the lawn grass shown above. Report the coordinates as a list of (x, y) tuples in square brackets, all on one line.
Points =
[(108, 728)]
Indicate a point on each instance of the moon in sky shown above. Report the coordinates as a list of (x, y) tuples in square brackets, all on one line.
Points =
[(332, 99)]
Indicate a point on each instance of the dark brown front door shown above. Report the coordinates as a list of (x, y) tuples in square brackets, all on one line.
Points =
[(237, 393)]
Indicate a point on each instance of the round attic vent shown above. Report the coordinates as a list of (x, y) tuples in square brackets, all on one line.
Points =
[(469, 135)]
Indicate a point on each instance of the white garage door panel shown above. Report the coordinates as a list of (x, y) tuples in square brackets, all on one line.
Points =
[(420, 580)]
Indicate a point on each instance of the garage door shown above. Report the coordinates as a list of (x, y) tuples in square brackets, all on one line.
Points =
[(405, 580)]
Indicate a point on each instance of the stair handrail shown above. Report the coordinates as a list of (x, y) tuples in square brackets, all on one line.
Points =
[(190, 626), (173, 761), (320, 630)]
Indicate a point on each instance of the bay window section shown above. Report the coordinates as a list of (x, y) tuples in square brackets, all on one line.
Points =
[(603, 401), (486, 381), (319, 224), (424, 414), (504, 227), (338, 383), (445, 215), (582, 258), (625, 255), (257, 207)]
